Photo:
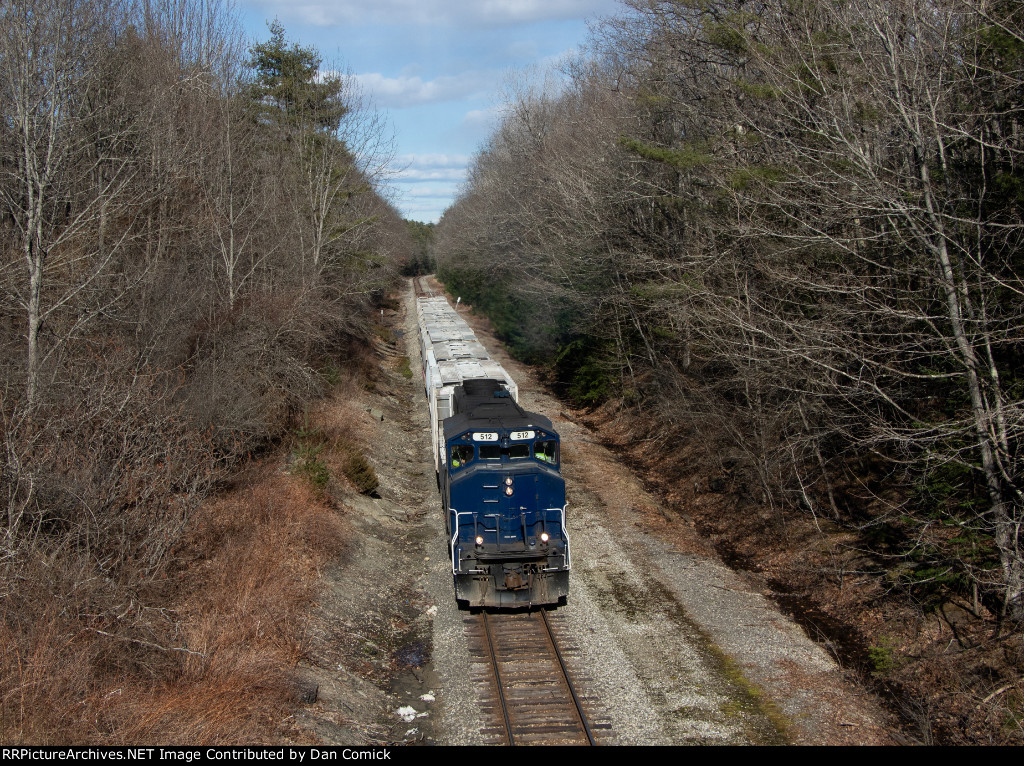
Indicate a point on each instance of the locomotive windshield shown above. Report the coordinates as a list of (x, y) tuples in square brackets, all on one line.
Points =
[(546, 451), (517, 451)]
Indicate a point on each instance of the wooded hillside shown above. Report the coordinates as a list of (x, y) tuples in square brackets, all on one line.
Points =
[(788, 233), (193, 243)]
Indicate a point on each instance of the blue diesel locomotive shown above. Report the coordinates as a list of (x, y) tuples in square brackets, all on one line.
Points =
[(498, 471)]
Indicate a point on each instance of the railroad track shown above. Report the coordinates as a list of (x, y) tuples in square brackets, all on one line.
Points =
[(529, 696), (421, 289)]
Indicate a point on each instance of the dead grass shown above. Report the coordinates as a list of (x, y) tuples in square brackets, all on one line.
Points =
[(339, 431), (42, 682), (207, 659)]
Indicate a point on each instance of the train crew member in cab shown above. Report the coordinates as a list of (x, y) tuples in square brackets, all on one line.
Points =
[(545, 451), (461, 455)]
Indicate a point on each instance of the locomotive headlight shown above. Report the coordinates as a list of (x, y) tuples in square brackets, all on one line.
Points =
[(508, 481), (479, 540), (544, 537), (509, 491)]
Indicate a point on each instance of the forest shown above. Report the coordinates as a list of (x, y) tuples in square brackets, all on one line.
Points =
[(194, 246), (773, 247), (782, 240)]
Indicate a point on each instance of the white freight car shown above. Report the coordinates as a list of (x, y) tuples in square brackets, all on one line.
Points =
[(451, 355)]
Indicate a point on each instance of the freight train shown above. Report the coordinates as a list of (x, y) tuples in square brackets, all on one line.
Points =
[(498, 469)]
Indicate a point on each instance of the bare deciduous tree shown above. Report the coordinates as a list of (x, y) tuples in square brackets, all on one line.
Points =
[(65, 172)]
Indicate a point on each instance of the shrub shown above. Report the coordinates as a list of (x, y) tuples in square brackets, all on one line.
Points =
[(359, 471)]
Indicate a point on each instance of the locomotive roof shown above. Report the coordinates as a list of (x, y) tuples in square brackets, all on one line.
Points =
[(485, 404)]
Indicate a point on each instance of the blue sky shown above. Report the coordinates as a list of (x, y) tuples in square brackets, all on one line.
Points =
[(435, 68)]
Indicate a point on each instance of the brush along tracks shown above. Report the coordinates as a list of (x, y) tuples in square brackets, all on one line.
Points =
[(528, 695)]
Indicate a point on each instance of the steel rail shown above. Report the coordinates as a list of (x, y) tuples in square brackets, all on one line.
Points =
[(497, 680), (568, 681)]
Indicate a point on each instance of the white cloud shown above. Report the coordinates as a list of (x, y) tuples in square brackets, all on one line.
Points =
[(423, 211), (415, 168), (482, 119), (431, 192), (473, 13), (406, 91), (426, 184), (420, 205), (455, 175), (422, 161)]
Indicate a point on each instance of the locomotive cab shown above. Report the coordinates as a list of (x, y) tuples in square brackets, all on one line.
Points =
[(505, 501)]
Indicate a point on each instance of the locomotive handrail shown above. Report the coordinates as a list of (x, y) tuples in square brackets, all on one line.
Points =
[(525, 553)]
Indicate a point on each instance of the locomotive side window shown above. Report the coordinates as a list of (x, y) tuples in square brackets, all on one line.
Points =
[(546, 451), (461, 454), (490, 452)]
